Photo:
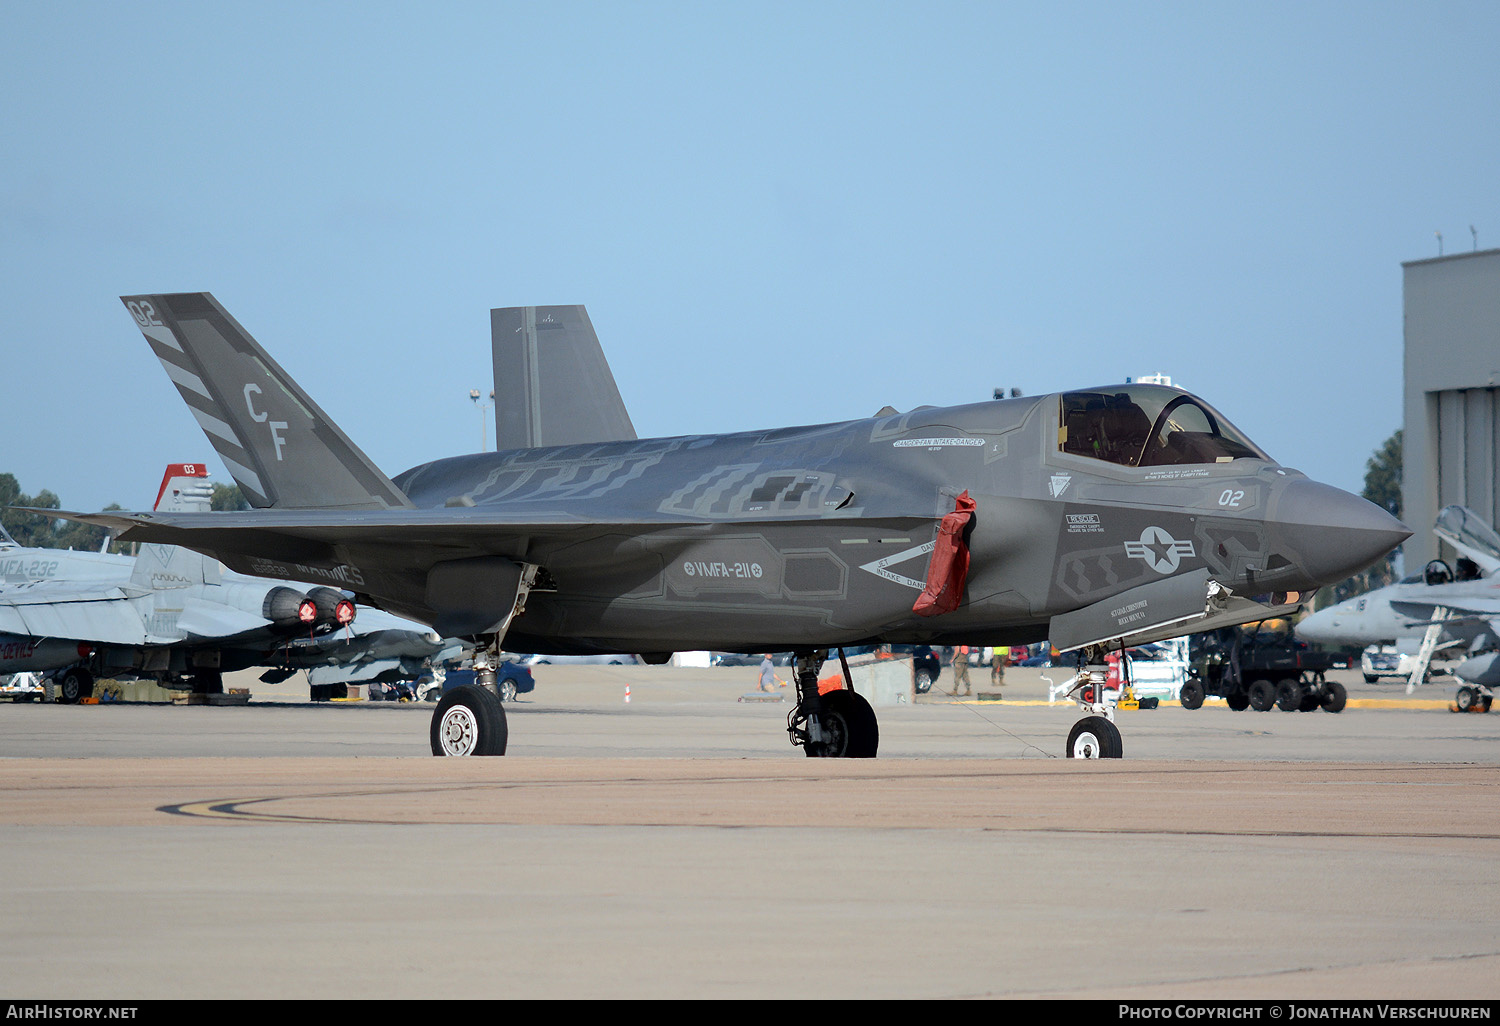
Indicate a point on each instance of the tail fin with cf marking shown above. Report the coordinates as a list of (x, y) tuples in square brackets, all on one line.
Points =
[(282, 450)]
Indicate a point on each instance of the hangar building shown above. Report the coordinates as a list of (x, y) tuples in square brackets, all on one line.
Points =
[(1451, 433)]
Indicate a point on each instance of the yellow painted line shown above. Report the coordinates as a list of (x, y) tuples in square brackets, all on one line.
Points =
[(1353, 703), (1399, 703)]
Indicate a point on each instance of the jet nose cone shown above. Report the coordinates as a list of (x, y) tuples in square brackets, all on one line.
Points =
[(1332, 534), (1482, 669), (1319, 627)]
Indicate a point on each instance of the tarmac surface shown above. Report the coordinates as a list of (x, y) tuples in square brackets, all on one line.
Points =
[(676, 846)]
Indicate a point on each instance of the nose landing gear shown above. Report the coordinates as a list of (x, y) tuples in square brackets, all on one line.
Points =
[(836, 725), (1095, 736)]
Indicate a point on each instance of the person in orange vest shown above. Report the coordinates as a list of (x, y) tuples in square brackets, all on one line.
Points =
[(961, 670)]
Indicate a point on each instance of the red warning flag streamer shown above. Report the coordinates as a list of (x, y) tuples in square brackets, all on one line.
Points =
[(949, 568)]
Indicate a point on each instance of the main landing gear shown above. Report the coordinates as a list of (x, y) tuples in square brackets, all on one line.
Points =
[(836, 725), (1471, 698), (75, 685), (469, 719), (1095, 736)]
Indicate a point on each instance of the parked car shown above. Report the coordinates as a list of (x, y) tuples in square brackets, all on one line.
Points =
[(1384, 662), (1035, 655), (748, 658), (616, 659), (925, 667)]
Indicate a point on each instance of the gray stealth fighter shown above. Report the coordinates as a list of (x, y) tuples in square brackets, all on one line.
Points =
[(1126, 512)]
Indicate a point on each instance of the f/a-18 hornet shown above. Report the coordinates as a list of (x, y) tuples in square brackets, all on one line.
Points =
[(1438, 610), (168, 614), (1106, 515)]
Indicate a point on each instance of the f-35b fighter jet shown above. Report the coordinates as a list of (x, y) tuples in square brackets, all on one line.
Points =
[(1117, 514)]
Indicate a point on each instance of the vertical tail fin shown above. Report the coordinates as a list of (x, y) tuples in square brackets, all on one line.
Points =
[(184, 489), (283, 451), (552, 383)]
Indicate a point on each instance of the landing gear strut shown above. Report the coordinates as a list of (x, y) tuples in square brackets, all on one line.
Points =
[(1095, 736), (470, 719), (838, 725)]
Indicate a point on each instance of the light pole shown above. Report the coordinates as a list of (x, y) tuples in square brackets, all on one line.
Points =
[(484, 437)]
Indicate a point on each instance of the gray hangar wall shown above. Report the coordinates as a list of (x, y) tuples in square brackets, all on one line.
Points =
[(1451, 433)]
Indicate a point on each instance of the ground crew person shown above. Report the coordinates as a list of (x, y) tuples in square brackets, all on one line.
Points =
[(961, 670)]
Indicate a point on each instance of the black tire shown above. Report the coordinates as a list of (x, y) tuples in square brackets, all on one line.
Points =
[(1191, 695), (922, 681), (75, 685), (1094, 737), (1371, 678), (1465, 699), (1334, 696), (507, 688), (1238, 701), (1288, 696), (850, 730), (207, 682), (468, 721), (1262, 695)]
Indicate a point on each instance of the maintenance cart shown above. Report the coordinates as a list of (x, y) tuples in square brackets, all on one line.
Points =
[(1257, 669)]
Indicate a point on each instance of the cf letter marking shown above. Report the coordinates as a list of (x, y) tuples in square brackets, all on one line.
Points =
[(277, 426)]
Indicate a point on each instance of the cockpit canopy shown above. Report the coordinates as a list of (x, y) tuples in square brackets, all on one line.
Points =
[(1148, 426), (1464, 530)]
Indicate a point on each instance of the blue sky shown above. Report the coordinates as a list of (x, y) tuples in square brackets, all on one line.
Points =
[(776, 213)]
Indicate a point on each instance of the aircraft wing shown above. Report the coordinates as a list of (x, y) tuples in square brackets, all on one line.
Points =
[(30, 593), (360, 672), (59, 609), (217, 621), (310, 535), (456, 569), (1477, 607)]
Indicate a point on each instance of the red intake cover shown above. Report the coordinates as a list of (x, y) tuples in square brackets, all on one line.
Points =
[(949, 568)]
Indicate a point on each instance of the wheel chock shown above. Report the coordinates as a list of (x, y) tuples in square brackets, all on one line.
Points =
[(1482, 706)]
